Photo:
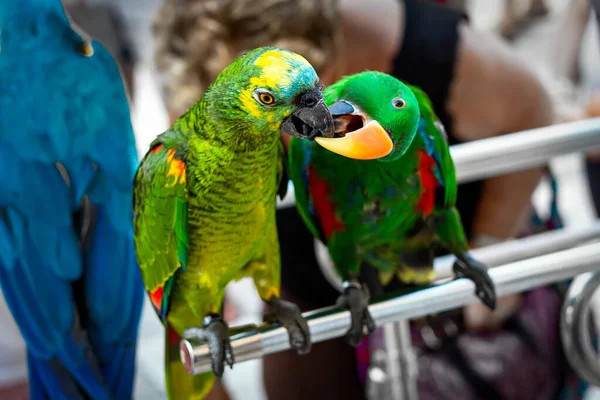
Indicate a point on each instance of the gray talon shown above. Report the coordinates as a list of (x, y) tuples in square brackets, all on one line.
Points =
[(216, 334), (469, 268), (355, 298), (289, 315)]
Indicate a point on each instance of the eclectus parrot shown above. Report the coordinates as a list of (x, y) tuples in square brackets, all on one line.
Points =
[(68, 269), (205, 200), (388, 196)]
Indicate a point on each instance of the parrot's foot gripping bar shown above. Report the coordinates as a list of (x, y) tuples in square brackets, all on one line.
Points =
[(527, 263)]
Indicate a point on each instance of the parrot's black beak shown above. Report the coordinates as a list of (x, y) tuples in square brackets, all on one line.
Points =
[(311, 119)]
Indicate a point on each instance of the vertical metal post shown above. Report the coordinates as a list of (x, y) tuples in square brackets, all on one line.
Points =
[(393, 372), (575, 327)]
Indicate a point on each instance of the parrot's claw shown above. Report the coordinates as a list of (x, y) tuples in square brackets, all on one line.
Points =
[(467, 267), (216, 334), (355, 298), (289, 315)]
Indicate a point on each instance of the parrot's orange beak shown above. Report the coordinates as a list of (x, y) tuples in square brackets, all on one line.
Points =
[(368, 142)]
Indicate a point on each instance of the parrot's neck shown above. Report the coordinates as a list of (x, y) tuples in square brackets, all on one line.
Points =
[(10, 9)]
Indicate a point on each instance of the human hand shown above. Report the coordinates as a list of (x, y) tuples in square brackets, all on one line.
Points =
[(478, 317)]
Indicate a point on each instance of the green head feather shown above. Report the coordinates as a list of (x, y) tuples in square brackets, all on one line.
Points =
[(381, 97)]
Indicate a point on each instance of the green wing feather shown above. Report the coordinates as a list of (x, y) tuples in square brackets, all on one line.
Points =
[(297, 164), (435, 129), (160, 216)]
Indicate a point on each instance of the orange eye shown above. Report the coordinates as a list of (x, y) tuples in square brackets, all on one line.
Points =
[(399, 103), (266, 98)]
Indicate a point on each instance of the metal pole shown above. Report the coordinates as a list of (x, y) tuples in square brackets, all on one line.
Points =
[(519, 151), (400, 364), (331, 322), (524, 248), (513, 152), (575, 327), (493, 255)]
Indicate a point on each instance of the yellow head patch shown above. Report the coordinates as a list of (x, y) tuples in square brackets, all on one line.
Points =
[(283, 72), (276, 67)]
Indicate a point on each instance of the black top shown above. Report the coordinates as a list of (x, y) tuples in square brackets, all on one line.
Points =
[(596, 9), (426, 60)]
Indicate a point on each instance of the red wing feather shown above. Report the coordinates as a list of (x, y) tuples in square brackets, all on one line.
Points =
[(323, 207), (429, 183)]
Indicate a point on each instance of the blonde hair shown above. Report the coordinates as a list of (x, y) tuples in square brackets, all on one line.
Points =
[(196, 39)]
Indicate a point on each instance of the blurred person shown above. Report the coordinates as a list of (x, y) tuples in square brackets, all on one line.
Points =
[(593, 157), (479, 88), (569, 35), (457, 4), (565, 65), (592, 111), (514, 19)]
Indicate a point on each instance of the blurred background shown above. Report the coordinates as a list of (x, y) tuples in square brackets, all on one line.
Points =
[(532, 38)]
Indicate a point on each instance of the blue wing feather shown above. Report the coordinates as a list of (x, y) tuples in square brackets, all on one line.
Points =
[(430, 148), (57, 106), (304, 176)]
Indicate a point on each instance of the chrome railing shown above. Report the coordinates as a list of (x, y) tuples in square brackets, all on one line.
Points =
[(332, 322), (575, 327)]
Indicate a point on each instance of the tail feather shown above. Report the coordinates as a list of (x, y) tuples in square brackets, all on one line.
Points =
[(180, 384), (50, 380), (42, 307), (67, 349), (119, 372), (115, 304)]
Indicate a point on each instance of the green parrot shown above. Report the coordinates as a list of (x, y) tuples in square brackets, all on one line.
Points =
[(205, 200), (382, 191)]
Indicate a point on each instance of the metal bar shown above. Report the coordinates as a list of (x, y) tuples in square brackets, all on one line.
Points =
[(331, 322), (494, 255), (519, 151), (513, 152), (400, 362), (575, 327), (521, 249)]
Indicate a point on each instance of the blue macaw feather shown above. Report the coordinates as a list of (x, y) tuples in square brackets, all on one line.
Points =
[(66, 136)]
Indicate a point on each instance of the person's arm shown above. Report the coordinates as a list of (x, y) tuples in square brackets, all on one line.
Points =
[(492, 93), (569, 36)]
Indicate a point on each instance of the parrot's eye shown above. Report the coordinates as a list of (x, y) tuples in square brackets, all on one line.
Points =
[(399, 103), (264, 97)]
